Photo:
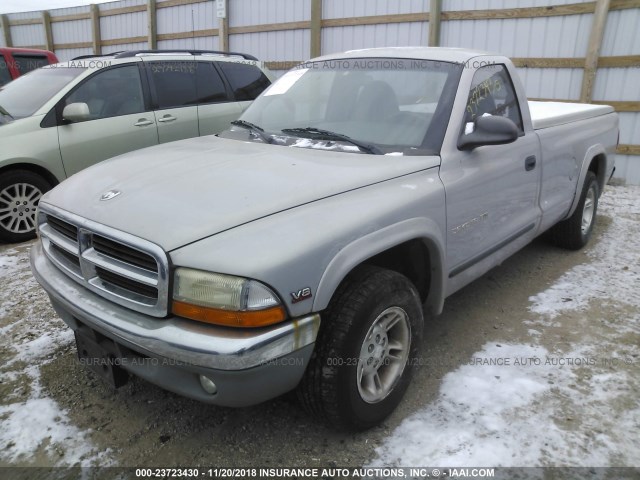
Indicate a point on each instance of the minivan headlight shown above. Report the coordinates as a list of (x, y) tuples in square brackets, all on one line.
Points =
[(224, 299)]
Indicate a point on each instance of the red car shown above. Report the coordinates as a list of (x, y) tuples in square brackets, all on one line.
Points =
[(18, 61)]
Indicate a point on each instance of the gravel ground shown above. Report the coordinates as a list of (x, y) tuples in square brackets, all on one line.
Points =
[(542, 302)]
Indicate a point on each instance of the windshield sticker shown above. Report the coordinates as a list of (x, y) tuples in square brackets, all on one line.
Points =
[(285, 82), (323, 145)]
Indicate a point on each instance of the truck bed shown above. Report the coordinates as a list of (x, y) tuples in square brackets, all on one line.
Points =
[(550, 114)]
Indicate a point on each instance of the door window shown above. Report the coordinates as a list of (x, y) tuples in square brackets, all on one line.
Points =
[(209, 84), (175, 83), (111, 93), (492, 93), (247, 81)]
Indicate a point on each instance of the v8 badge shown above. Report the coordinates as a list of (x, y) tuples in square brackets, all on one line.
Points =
[(301, 295)]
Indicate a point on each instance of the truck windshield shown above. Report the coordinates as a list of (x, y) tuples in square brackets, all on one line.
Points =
[(382, 105), (25, 95)]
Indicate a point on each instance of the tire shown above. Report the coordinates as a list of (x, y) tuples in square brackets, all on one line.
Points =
[(575, 232), (20, 192), (339, 383)]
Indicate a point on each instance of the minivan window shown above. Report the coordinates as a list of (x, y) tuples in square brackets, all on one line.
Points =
[(247, 81), (175, 83), (111, 93), (26, 94), (5, 76), (26, 63), (210, 86)]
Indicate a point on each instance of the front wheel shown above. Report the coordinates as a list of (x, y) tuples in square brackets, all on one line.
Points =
[(362, 363), (575, 232), (20, 192)]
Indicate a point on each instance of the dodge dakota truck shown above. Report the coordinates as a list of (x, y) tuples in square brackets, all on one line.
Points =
[(303, 247)]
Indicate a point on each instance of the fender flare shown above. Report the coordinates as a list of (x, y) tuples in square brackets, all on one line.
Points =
[(590, 154), (376, 242), (34, 165)]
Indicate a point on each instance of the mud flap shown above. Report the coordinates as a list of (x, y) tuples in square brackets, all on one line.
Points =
[(98, 359)]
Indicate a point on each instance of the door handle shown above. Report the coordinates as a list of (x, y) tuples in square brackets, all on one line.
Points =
[(167, 118), (143, 122), (530, 163)]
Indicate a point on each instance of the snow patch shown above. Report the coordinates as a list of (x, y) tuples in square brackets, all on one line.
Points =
[(478, 419), (39, 345), (613, 274), (39, 422), (7, 265), (527, 414), (32, 336)]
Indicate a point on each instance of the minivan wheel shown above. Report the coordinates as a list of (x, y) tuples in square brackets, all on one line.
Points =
[(362, 362), (20, 192)]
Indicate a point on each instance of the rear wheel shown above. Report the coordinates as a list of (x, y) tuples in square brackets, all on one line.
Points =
[(575, 232), (361, 366), (20, 192)]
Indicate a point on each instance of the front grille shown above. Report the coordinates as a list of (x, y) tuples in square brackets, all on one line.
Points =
[(66, 229), (126, 254), (126, 283), (71, 258), (120, 267)]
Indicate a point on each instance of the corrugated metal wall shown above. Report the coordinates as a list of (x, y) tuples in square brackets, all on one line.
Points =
[(339, 39), (622, 37), (552, 37), (76, 31), (288, 39), (24, 35), (188, 18), (277, 46)]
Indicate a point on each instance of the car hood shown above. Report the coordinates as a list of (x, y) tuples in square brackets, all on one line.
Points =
[(177, 193)]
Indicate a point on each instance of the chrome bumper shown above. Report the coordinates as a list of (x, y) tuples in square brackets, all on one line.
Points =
[(185, 341)]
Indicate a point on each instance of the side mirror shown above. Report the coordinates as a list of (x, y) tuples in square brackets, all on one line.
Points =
[(76, 112), (489, 130)]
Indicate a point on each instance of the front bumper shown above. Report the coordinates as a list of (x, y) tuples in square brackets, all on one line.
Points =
[(248, 366)]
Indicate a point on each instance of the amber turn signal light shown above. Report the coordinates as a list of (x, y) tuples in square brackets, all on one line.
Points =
[(229, 318)]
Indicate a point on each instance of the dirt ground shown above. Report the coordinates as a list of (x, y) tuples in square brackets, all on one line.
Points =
[(142, 425)]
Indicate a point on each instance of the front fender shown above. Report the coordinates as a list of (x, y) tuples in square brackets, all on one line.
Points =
[(24, 142), (316, 244), (358, 251)]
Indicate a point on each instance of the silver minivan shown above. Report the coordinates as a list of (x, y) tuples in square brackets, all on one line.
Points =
[(59, 119)]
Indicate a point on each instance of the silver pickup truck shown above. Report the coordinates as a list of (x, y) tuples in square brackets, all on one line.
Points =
[(303, 247)]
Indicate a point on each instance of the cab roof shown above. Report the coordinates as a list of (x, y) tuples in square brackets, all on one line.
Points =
[(442, 54)]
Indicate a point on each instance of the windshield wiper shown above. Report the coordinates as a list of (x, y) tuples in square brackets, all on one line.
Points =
[(319, 133), (255, 129)]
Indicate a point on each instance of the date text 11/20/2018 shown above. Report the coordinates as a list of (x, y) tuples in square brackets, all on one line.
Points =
[(313, 473)]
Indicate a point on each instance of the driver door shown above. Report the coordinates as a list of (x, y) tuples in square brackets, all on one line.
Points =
[(492, 193)]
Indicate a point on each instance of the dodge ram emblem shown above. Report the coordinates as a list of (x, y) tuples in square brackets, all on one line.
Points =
[(109, 195)]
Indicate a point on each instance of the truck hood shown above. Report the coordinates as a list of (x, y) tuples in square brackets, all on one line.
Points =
[(177, 193)]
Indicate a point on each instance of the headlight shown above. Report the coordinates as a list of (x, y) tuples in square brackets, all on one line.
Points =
[(224, 299)]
